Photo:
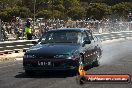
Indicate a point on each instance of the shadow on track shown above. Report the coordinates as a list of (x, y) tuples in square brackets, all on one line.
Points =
[(53, 74)]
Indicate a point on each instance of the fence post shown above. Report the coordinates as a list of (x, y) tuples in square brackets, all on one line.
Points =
[(0, 31)]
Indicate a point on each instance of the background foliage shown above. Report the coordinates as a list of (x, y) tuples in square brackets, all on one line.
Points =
[(65, 9)]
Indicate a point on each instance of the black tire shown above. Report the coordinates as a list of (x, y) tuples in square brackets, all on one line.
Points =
[(29, 73), (96, 63)]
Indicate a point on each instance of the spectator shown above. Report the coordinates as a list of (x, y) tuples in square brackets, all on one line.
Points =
[(28, 23), (28, 31)]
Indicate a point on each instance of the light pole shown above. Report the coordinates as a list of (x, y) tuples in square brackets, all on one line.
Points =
[(52, 13), (34, 15), (0, 31)]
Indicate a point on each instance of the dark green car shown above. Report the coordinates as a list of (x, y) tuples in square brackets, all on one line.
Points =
[(63, 49)]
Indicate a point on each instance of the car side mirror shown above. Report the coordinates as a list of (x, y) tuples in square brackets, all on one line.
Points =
[(87, 42), (34, 42)]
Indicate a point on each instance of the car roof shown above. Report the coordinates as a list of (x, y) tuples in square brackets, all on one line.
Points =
[(69, 29)]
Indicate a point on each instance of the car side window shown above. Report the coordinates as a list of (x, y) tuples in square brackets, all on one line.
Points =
[(85, 36), (90, 35)]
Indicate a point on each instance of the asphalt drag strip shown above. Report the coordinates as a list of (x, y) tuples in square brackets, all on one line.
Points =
[(116, 59)]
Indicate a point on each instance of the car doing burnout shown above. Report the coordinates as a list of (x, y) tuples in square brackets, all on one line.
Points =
[(63, 49)]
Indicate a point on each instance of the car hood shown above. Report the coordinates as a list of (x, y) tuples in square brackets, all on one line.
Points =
[(53, 49)]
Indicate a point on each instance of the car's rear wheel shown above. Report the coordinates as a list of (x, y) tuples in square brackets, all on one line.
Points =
[(96, 63)]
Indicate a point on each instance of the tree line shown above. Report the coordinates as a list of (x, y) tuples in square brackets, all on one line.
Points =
[(65, 9)]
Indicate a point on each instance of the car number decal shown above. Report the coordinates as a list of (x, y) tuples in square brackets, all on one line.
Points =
[(44, 63)]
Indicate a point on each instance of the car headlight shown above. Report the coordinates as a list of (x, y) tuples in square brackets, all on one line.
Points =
[(28, 56), (63, 56), (60, 56)]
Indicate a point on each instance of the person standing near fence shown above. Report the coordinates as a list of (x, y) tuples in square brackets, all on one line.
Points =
[(28, 31)]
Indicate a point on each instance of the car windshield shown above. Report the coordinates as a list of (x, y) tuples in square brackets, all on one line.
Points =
[(61, 36)]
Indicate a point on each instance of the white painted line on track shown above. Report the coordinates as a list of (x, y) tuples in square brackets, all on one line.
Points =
[(30, 44), (129, 38), (18, 41), (111, 41), (19, 59), (119, 34), (10, 65), (10, 46), (17, 49), (115, 32), (26, 48), (105, 33), (107, 38), (97, 34), (122, 36), (128, 33), (20, 45), (114, 37)]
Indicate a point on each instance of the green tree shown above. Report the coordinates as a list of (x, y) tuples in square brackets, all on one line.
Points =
[(4, 16), (71, 3), (24, 12), (122, 9), (108, 2), (44, 14), (57, 14), (40, 4), (97, 11), (73, 9), (113, 2), (76, 13)]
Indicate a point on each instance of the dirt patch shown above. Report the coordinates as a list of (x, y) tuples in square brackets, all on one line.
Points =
[(12, 56)]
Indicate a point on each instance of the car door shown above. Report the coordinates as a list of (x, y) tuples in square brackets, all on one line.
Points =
[(88, 49), (93, 45), (98, 46)]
